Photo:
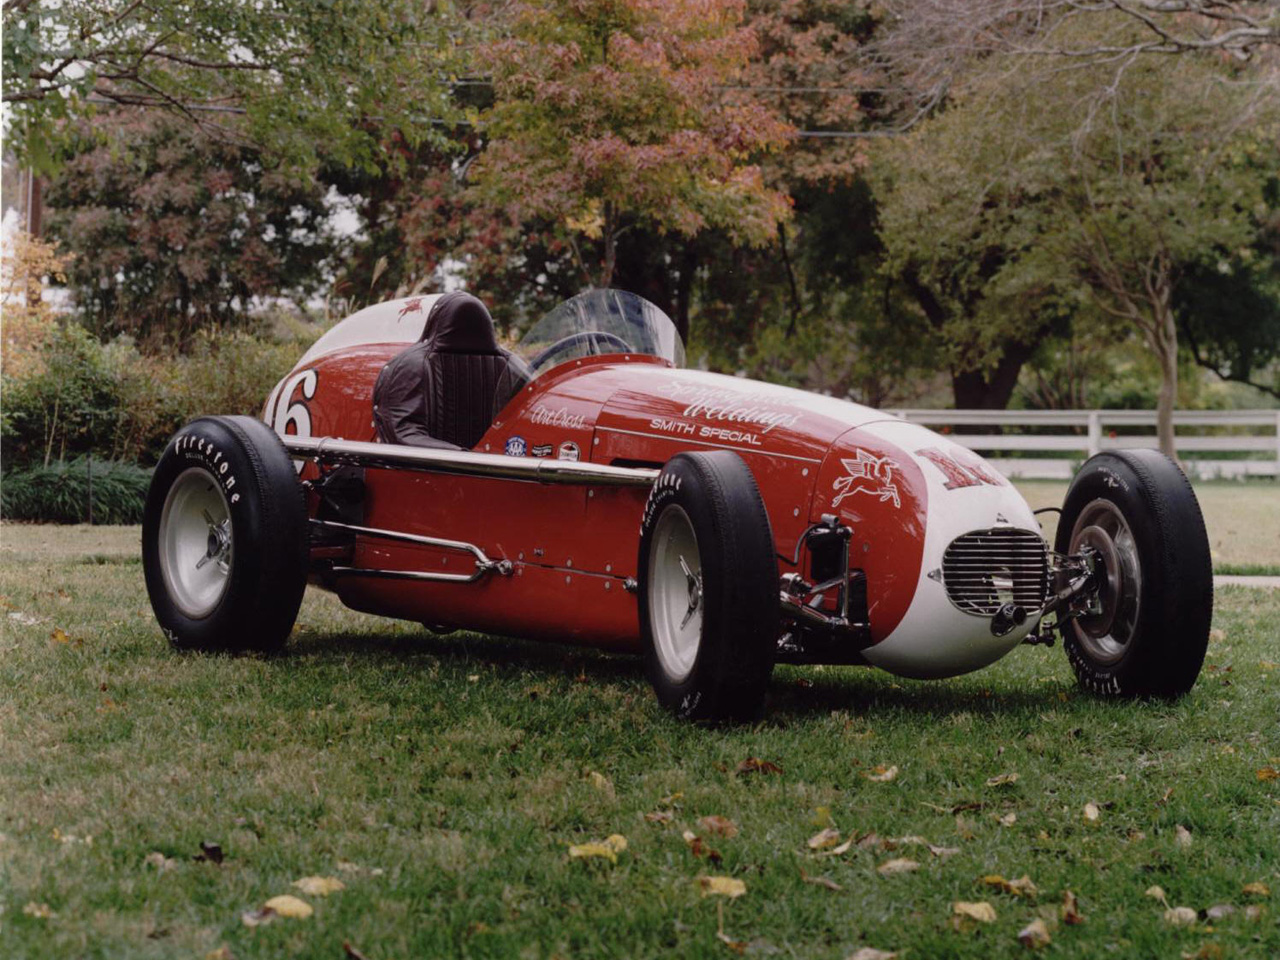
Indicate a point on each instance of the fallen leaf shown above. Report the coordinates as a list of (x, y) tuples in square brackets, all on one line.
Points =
[(822, 817), (721, 826), (256, 918), (222, 953), (883, 774), (660, 816), (1002, 780), (1034, 935), (1071, 914), (730, 887), (1008, 820), (1268, 773), (700, 849), (842, 849), (1022, 887), (59, 636), (607, 849), (819, 881), (1256, 889), (1180, 916), (41, 911), (159, 861), (1207, 951), (871, 953), (826, 838), (1254, 911), (672, 800), (1182, 836), (964, 829), (897, 866), (319, 886), (1157, 893), (982, 911), (737, 946), (351, 952), (600, 782), (943, 852), (290, 906), (1091, 812), (210, 852), (1220, 910), (756, 765)]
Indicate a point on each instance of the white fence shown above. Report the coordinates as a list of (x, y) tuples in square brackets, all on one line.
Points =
[(1254, 435)]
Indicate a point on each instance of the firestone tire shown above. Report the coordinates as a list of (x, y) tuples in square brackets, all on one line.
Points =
[(1149, 634), (708, 589), (224, 538)]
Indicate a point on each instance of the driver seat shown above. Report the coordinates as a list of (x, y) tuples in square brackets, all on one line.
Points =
[(442, 392)]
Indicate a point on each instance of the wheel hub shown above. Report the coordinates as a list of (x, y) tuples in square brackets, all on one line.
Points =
[(195, 543)]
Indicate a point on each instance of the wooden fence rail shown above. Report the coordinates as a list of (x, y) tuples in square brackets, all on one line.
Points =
[(1252, 435)]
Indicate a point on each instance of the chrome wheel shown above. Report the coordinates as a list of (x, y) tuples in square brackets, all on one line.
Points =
[(675, 593), (195, 543), (1107, 629)]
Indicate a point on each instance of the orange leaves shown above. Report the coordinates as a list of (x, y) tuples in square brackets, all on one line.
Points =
[(756, 765)]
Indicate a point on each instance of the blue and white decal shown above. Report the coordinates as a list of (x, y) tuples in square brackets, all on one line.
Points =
[(516, 447)]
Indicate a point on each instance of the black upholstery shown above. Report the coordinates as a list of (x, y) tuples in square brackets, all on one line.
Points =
[(441, 392)]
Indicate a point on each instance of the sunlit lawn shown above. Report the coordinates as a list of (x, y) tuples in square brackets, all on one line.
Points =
[(443, 779)]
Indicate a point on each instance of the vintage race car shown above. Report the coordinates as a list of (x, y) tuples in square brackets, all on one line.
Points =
[(585, 488)]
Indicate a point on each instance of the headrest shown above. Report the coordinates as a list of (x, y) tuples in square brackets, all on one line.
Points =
[(460, 323)]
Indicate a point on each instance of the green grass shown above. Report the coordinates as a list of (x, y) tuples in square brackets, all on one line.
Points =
[(1243, 520), (459, 769)]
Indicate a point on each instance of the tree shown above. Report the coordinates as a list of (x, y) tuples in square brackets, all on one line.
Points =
[(607, 116), (307, 75), (1114, 205), (171, 231)]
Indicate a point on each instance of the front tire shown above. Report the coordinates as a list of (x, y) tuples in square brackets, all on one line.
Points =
[(224, 537), (1147, 633), (708, 589)]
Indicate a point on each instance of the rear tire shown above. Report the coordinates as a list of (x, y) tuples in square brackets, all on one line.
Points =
[(224, 537), (1148, 634), (708, 589)]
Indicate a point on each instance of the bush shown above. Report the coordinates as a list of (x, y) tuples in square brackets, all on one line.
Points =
[(59, 493)]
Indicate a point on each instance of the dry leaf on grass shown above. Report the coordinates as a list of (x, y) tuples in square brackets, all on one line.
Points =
[(819, 881), (730, 887), (883, 774), (1254, 911), (351, 953), (1091, 812), (672, 800), (1071, 914), (756, 765), (1022, 887), (319, 886), (1008, 820), (660, 816), (981, 911), (159, 861), (222, 953), (1182, 836), (1220, 910), (1256, 889), (209, 852), (600, 782), (256, 918), (700, 849), (943, 852), (1157, 893), (721, 826), (287, 905), (871, 953), (606, 849), (822, 817), (1268, 773), (1034, 935), (897, 866), (1180, 916), (826, 838), (1002, 780), (41, 911)]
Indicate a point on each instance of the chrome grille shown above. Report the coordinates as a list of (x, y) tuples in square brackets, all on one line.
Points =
[(986, 569)]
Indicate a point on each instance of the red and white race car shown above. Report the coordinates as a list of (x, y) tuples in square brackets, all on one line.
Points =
[(585, 488)]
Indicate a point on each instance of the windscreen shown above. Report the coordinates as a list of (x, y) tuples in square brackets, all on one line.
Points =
[(592, 324)]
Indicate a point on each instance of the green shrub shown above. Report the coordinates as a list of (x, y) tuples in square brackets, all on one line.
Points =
[(59, 493)]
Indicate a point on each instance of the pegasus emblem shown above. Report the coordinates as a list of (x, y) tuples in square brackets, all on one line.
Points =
[(867, 474)]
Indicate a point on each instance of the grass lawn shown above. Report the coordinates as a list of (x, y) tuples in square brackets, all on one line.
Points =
[(443, 780)]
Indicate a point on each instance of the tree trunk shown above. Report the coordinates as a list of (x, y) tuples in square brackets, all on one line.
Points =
[(978, 390), (610, 244), (1165, 343)]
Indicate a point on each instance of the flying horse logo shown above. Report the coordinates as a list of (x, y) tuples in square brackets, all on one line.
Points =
[(867, 474)]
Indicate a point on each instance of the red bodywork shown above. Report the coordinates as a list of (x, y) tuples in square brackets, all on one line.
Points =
[(574, 548)]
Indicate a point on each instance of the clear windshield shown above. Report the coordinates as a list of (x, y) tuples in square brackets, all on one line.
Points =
[(600, 322)]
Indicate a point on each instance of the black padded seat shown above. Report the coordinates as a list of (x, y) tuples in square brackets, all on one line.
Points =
[(442, 391)]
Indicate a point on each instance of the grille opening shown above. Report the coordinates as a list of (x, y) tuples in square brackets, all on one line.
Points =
[(986, 569)]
